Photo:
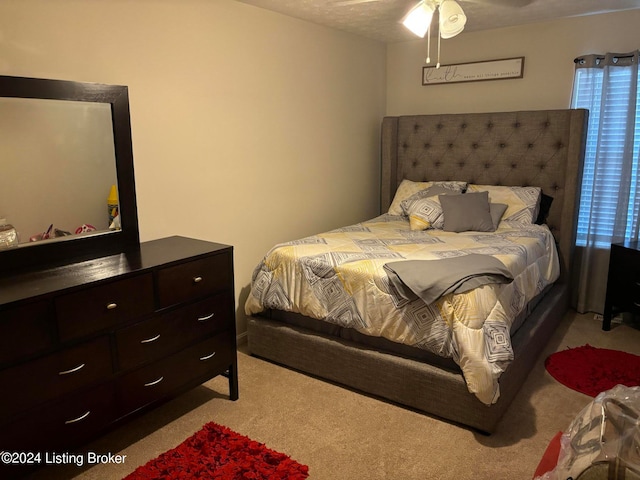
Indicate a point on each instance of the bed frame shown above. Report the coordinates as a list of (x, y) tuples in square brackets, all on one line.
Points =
[(538, 148)]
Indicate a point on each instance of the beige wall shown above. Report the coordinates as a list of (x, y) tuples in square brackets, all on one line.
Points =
[(549, 49), (249, 127)]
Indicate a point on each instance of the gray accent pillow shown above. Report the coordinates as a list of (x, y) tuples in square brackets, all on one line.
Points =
[(497, 211), (467, 212)]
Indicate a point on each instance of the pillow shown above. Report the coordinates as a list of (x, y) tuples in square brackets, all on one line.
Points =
[(497, 211), (409, 187), (545, 206), (523, 203), (432, 191), (465, 212), (426, 213)]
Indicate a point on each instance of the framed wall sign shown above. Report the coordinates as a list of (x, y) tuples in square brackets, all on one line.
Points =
[(502, 69)]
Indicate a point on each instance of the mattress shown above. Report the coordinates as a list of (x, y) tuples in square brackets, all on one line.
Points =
[(339, 277)]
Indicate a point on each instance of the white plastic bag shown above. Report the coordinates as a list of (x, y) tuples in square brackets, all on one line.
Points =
[(603, 441)]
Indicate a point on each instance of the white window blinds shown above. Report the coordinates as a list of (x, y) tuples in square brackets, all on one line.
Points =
[(610, 198)]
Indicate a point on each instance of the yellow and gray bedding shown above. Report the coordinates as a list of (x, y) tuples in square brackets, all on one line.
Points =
[(340, 277)]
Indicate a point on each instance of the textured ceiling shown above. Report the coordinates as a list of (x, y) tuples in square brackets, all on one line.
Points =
[(380, 19)]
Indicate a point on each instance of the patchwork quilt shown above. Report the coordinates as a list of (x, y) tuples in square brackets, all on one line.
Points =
[(340, 277)]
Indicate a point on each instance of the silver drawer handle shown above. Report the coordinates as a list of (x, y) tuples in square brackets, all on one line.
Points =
[(155, 382), (197, 279), (206, 317), (80, 418), (207, 357), (149, 340), (111, 306), (636, 304), (72, 370)]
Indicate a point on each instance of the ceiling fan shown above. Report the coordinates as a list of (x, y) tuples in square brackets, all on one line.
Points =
[(451, 17)]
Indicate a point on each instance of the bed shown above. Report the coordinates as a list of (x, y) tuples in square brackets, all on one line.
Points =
[(461, 350)]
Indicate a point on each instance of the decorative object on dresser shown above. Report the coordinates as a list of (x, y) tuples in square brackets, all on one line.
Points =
[(95, 327), (623, 281)]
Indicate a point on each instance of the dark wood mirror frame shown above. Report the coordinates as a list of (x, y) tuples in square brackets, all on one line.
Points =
[(77, 248)]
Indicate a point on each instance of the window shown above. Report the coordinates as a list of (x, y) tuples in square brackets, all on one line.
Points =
[(610, 198)]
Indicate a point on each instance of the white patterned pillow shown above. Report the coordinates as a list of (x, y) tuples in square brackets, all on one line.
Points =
[(407, 188), (523, 203), (407, 204), (426, 213)]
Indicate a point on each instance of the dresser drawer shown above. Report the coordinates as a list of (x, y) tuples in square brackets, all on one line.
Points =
[(96, 308), (167, 333), (195, 279), (154, 382), (628, 291), (624, 264), (68, 421), (628, 300), (52, 376), (623, 285), (25, 330)]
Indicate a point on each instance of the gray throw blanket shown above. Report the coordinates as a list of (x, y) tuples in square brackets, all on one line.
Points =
[(431, 279)]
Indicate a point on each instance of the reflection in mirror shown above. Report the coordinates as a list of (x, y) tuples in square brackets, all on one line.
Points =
[(63, 146), (61, 157)]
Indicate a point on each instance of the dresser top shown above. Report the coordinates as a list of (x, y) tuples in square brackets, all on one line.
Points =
[(149, 255), (634, 245)]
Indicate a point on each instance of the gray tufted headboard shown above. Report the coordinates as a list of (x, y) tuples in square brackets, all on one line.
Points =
[(542, 148)]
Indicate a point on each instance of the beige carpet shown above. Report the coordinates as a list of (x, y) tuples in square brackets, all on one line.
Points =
[(341, 434)]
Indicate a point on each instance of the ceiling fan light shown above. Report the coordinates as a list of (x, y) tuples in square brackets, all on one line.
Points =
[(452, 19), (419, 18), (450, 34)]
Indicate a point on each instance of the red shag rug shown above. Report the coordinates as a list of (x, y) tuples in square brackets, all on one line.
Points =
[(592, 370), (215, 452)]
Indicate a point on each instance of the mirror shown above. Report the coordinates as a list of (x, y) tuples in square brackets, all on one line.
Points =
[(67, 182), (65, 150)]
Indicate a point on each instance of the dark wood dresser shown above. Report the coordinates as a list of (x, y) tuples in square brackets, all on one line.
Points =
[(84, 345), (623, 282)]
